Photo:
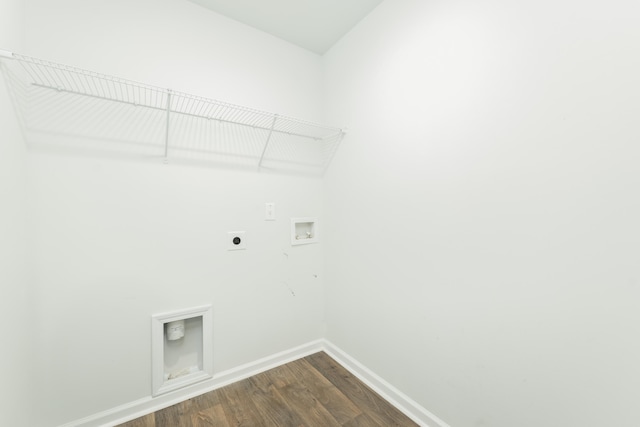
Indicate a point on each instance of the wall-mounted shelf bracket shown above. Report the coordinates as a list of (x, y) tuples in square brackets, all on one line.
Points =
[(266, 144)]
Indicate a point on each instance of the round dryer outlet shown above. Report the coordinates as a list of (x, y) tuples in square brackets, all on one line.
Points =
[(236, 240)]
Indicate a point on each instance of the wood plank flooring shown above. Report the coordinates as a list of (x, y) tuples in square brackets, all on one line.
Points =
[(314, 391)]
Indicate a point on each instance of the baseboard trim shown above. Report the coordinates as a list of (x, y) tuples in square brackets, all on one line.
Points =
[(138, 408), (391, 394)]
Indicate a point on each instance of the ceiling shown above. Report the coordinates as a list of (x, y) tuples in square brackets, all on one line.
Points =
[(315, 25)]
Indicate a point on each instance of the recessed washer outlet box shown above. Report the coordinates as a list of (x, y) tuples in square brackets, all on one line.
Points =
[(304, 231), (236, 240)]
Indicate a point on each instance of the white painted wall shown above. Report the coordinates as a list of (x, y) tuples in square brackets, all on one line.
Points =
[(482, 216), (479, 222), (14, 281), (117, 241), (179, 46)]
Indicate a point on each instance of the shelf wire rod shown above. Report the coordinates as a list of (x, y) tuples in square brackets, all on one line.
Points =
[(109, 92), (152, 97), (227, 113), (196, 106), (189, 105), (124, 89), (289, 126), (250, 117), (89, 85), (199, 107), (132, 92), (112, 89), (217, 112), (99, 86), (260, 119), (244, 117), (76, 81), (204, 108), (52, 73), (333, 150), (185, 104), (182, 113), (40, 72), (71, 81), (177, 103), (266, 145), (101, 92), (209, 106), (221, 112), (61, 78), (233, 114), (166, 136), (128, 90), (30, 70), (120, 87)]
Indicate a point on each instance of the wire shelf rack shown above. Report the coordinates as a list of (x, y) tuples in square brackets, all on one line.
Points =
[(67, 107)]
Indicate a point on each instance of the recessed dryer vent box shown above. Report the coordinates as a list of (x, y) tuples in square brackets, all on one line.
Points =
[(182, 349), (304, 231)]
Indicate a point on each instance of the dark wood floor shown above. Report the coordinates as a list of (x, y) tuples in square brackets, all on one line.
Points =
[(312, 392)]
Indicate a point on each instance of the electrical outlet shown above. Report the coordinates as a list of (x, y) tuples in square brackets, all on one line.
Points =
[(236, 240), (270, 211)]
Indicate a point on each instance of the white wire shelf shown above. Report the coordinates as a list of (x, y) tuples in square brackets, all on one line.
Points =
[(61, 106)]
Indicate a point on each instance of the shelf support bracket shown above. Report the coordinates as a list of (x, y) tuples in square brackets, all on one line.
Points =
[(166, 135), (266, 144)]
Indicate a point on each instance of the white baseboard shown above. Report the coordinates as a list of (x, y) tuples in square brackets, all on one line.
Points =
[(391, 394), (147, 405)]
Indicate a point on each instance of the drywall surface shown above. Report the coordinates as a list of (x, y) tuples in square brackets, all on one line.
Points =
[(482, 234), (179, 46), (118, 240), (14, 284)]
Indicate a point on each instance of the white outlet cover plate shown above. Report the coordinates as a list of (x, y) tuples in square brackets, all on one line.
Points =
[(270, 211), (231, 245)]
